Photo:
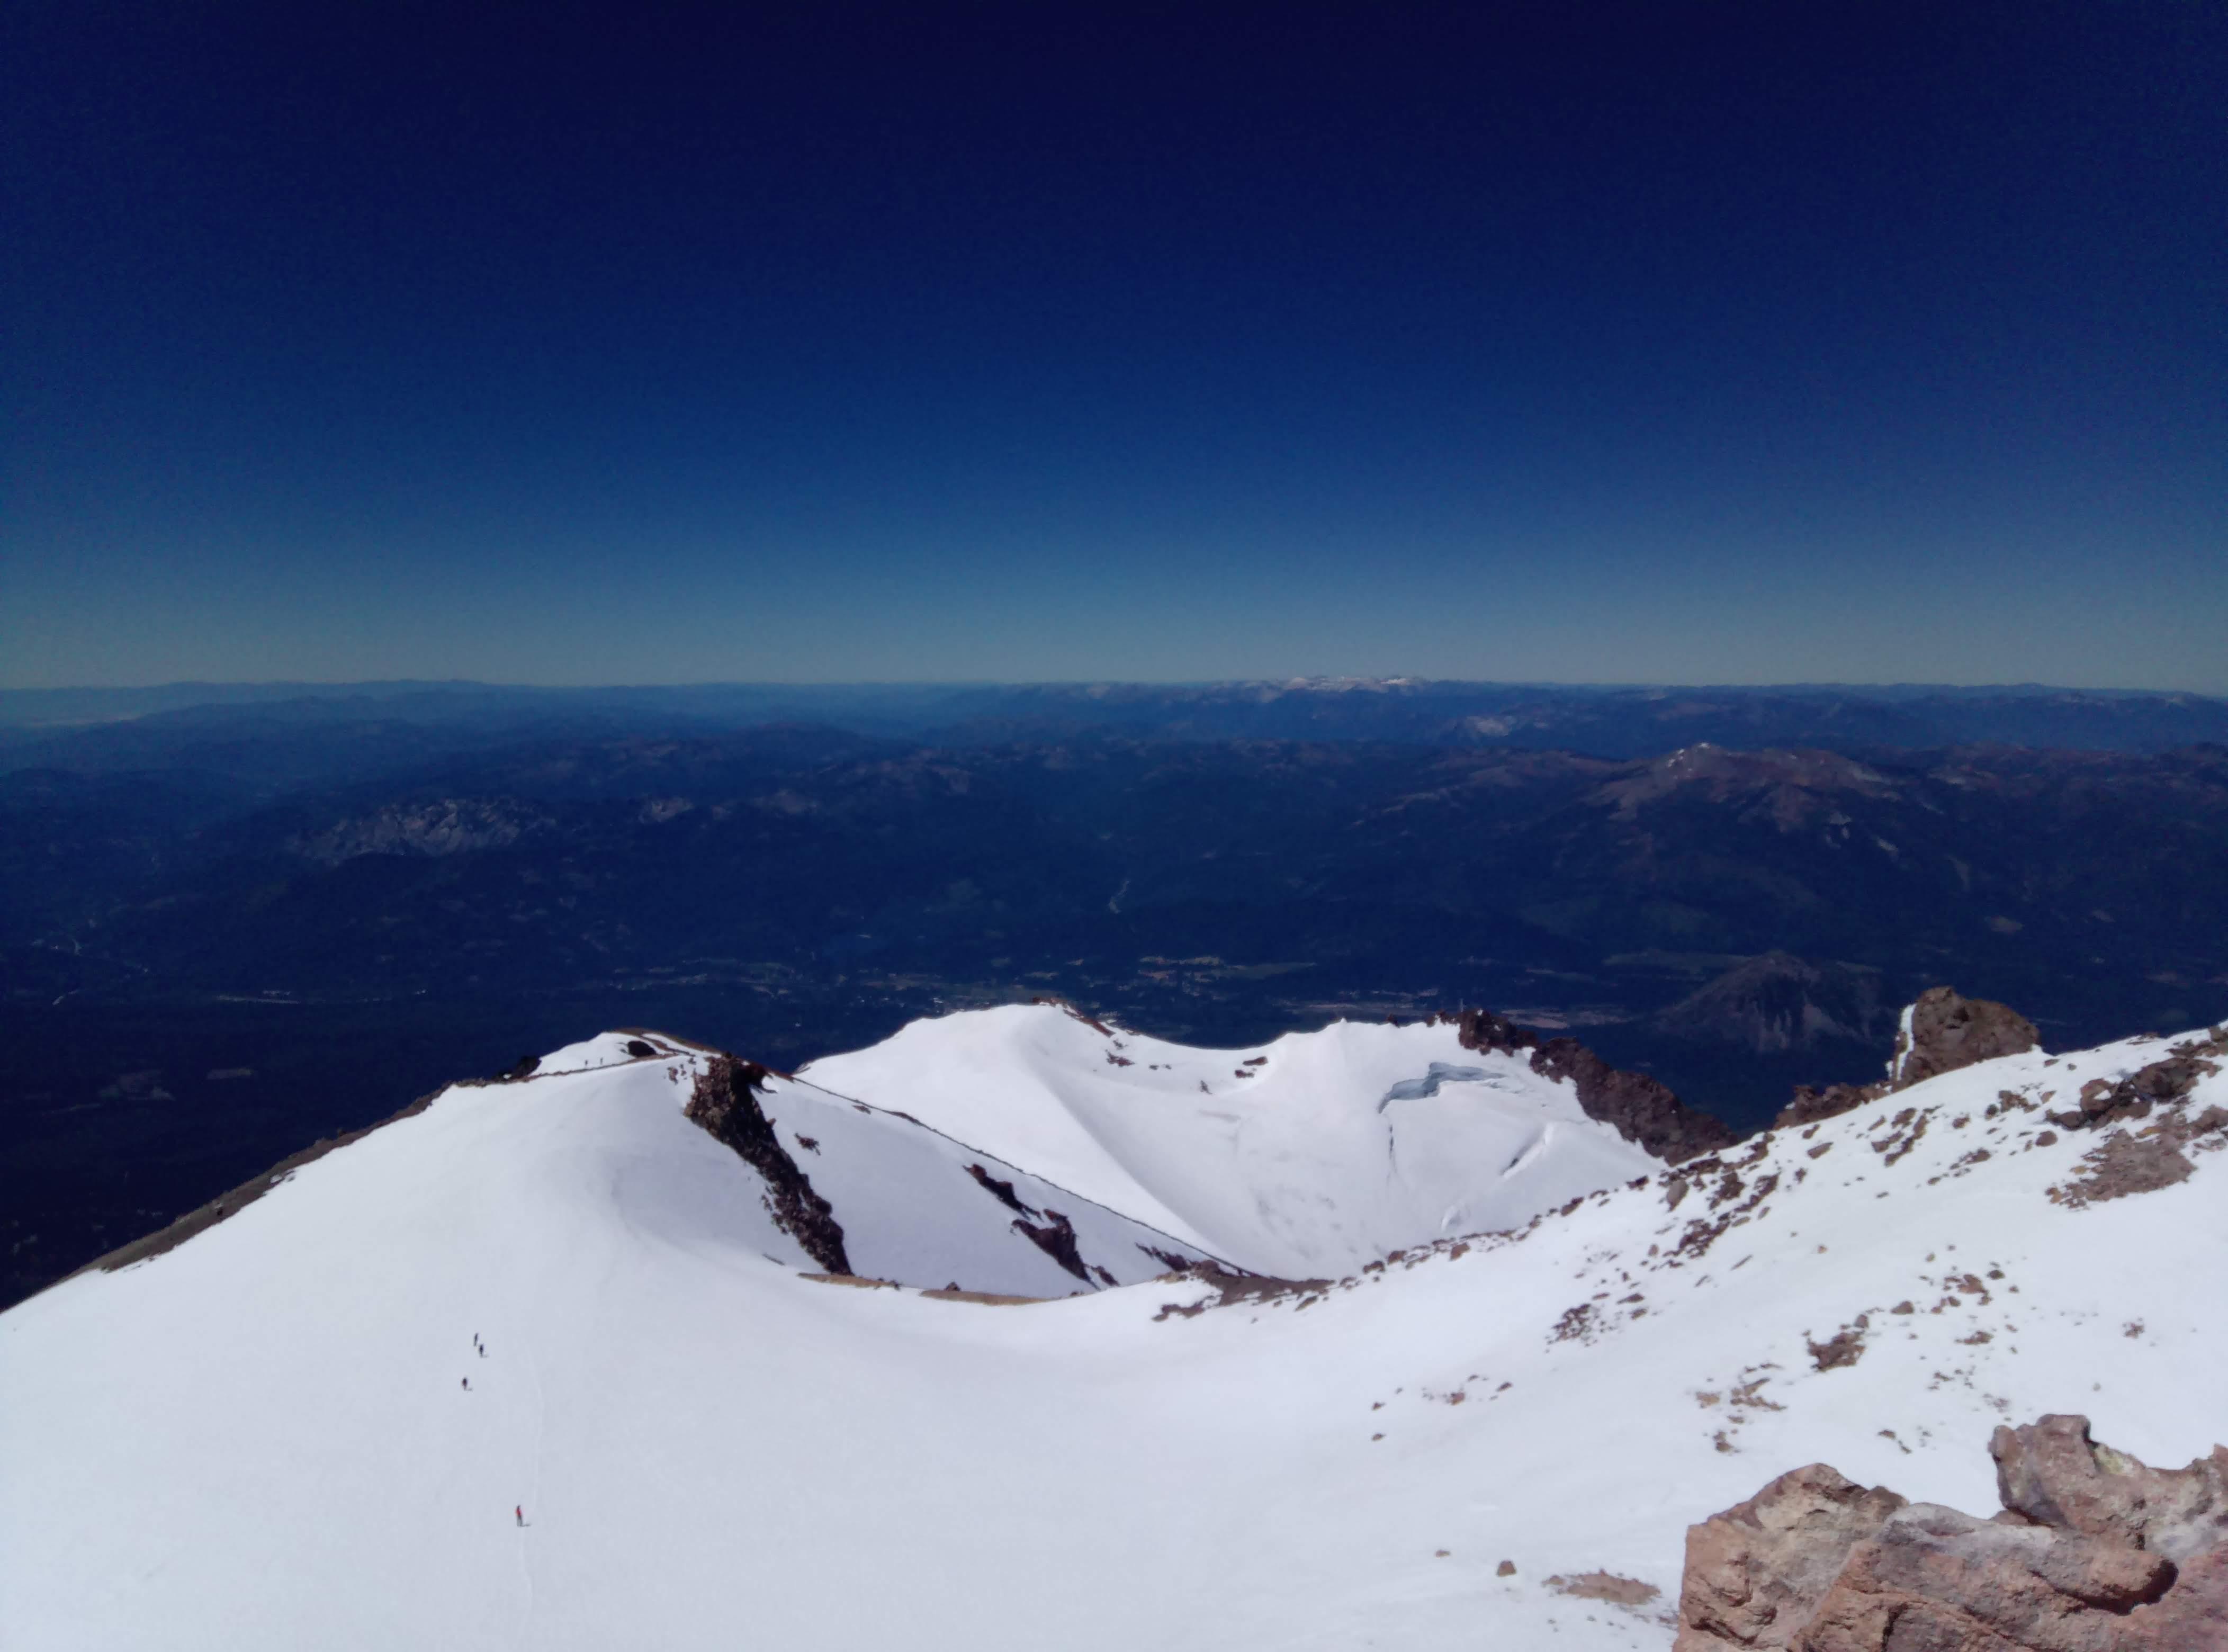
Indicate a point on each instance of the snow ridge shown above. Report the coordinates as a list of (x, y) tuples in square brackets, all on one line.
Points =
[(1307, 1155), (265, 1437)]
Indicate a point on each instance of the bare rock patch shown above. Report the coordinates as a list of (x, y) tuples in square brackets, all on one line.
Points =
[(2094, 1551)]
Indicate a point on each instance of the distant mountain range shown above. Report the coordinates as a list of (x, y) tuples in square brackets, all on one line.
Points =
[(1140, 874), (81, 727), (227, 928)]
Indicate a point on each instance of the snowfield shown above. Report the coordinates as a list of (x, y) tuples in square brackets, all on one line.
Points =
[(261, 1439), (1302, 1158)]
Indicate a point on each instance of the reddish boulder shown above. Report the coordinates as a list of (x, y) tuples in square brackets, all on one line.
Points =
[(2095, 1551), (1936, 1579), (1942, 1031), (1756, 1573)]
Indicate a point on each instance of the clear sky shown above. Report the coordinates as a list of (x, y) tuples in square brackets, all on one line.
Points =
[(571, 343)]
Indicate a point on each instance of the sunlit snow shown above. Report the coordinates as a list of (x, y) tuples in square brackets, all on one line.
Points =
[(263, 1438)]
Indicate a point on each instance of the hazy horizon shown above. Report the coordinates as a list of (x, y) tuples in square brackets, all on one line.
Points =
[(1286, 680)]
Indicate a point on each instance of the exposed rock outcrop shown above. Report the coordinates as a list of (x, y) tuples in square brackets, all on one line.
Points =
[(1939, 1033), (1642, 1110), (1055, 1237), (1833, 1100), (2163, 1081), (725, 1103), (2051, 1473), (2094, 1551), (1756, 1573), (1231, 1290), (1943, 1031)]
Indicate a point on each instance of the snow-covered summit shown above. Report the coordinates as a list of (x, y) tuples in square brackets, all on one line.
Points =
[(880, 1195), (283, 1431), (1303, 1157)]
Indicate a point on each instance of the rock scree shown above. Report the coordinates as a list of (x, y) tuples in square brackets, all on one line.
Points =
[(2094, 1551)]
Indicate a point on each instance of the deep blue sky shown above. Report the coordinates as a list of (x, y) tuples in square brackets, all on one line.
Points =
[(1588, 342)]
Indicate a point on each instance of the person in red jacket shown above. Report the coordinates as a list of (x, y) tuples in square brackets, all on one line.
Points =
[(521, 1513)]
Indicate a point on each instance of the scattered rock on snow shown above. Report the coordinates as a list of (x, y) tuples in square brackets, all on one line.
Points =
[(1231, 1288), (1604, 1586), (1845, 1347), (2145, 1162)]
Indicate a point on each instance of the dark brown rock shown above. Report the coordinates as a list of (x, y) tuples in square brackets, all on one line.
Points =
[(725, 1103), (1605, 1586), (1055, 1237), (1810, 1105), (2135, 1095), (1001, 1191), (1846, 1347), (1943, 1031), (2144, 1162), (1642, 1110), (2095, 1551)]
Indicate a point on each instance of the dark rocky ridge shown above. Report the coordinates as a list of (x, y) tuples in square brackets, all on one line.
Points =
[(1642, 1110), (725, 1103)]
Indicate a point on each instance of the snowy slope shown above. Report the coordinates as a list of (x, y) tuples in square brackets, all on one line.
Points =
[(914, 1206), (259, 1439), (1302, 1158)]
